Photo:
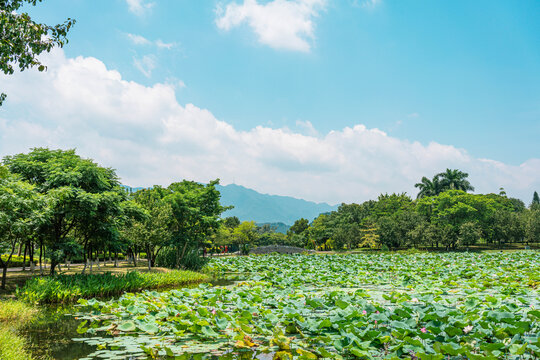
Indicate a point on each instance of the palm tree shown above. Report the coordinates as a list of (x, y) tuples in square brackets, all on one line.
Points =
[(428, 187), (455, 180)]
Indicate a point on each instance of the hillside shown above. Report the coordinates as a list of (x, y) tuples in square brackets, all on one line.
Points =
[(262, 208)]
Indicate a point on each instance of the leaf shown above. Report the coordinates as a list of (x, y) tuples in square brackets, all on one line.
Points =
[(127, 326)]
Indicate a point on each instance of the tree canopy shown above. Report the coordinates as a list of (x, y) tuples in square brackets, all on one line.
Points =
[(22, 39)]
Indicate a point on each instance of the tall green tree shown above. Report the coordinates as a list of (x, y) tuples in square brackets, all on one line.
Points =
[(21, 213), (22, 39), (245, 235), (428, 187), (535, 203), (454, 179), (152, 232), (77, 190), (196, 210)]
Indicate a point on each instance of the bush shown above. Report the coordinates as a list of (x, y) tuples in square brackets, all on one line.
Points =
[(192, 260)]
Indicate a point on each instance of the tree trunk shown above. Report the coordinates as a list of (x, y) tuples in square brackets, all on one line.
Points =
[(32, 263), (4, 275), (53, 266), (40, 256), (24, 257), (134, 258), (85, 258)]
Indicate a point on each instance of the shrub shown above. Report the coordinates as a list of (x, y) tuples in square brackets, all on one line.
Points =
[(191, 260)]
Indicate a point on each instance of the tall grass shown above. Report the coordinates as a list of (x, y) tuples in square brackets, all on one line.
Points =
[(13, 316), (69, 288)]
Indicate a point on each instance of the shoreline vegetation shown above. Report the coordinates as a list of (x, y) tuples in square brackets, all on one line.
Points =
[(37, 292), (66, 289), (14, 315)]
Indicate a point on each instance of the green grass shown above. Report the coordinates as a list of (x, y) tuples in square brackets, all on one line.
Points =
[(12, 346), (13, 316), (16, 312), (69, 288)]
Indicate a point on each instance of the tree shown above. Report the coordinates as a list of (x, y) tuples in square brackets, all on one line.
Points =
[(532, 226), (196, 210), (428, 187), (448, 180), (77, 191), (21, 212), (298, 227), (455, 180), (22, 39), (535, 203), (244, 235), (469, 233), (231, 222), (151, 232)]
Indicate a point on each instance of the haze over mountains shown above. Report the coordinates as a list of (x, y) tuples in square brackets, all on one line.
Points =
[(263, 208)]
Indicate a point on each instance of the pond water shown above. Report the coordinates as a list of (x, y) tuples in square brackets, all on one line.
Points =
[(51, 336)]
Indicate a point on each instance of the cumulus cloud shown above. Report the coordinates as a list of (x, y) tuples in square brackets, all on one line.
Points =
[(151, 138), (139, 7), (280, 24)]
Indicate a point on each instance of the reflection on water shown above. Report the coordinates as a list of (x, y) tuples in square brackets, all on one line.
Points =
[(50, 335)]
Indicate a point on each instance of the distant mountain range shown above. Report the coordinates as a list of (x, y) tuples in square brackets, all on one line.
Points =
[(278, 211), (262, 208)]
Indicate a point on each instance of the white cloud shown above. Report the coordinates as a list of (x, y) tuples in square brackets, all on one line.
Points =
[(139, 7), (162, 45), (150, 138), (138, 39), (280, 24), (141, 40), (145, 64), (307, 128)]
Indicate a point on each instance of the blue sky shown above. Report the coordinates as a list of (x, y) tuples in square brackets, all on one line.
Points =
[(464, 75)]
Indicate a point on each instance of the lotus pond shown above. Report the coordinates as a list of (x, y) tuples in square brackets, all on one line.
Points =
[(416, 305)]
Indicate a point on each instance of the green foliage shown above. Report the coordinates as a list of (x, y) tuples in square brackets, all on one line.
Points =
[(244, 236), (298, 227), (20, 216), (448, 180), (392, 305), (192, 260), (23, 39), (70, 288), (535, 203), (81, 197)]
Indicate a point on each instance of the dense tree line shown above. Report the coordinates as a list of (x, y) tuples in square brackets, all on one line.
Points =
[(444, 216), (59, 206)]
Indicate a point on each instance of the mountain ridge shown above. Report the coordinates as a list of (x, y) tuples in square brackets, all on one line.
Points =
[(264, 208)]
